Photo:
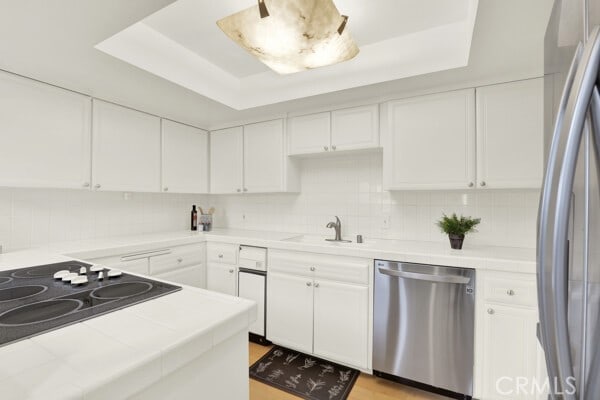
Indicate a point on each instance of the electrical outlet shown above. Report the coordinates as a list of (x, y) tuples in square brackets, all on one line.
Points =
[(385, 222)]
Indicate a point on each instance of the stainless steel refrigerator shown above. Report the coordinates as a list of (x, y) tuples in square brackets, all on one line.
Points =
[(568, 252)]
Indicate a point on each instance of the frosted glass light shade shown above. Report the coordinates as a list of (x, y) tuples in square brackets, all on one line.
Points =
[(296, 36)]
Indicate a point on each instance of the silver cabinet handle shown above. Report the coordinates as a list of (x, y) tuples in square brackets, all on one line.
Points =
[(312, 268), (231, 271), (179, 259), (426, 277), (490, 311), (97, 186), (86, 184), (220, 255), (316, 285), (166, 189), (333, 147), (238, 190), (245, 189), (308, 283), (471, 184), (325, 148), (510, 292), (482, 183)]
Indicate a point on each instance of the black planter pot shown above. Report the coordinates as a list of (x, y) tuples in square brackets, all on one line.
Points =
[(456, 241)]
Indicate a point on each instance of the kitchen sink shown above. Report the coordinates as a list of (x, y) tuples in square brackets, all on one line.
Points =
[(314, 239)]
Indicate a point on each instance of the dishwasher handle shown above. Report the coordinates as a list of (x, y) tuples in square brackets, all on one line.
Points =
[(426, 277)]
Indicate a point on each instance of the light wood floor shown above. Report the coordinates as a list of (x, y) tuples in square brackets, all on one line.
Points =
[(367, 387)]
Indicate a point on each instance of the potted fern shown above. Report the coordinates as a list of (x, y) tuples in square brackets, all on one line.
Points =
[(456, 228)]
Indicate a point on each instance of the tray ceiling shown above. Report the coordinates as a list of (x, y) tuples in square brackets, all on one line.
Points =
[(397, 38)]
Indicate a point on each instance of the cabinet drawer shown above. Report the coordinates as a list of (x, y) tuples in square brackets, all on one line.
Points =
[(225, 253), (321, 266), (253, 258), (515, 290), (179, 257), (139, 266)]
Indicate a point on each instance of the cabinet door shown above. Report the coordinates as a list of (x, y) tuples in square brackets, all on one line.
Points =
[(341, 322), (184, 158), (509, 352), (126, 149), (252, 287), (290, 311), (45, 135), (226, 160), (263, 157), (355, 128), (510, 146), (430, 142), (309, 134), (221, 278)]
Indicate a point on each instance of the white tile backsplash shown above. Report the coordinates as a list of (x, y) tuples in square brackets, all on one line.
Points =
[(349, 186)]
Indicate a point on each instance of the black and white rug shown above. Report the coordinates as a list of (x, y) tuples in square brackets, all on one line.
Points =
[(305, 376)]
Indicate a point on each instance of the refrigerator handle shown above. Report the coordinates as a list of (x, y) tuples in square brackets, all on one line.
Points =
[(544, 268), (555, 248)]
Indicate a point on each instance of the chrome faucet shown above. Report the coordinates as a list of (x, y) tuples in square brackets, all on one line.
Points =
[(337, 225)]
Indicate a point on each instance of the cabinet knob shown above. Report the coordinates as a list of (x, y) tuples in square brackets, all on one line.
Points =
[(325, 148), (86, 184), (238, 190), (166, 189), (333, 147), (308, 283), (316, 285), (231, 271), (490, 311), (179, 259), (312, 268), (510, 292), (245, 189), (97, 186), (482, 183), (220, 255), (471, 184)]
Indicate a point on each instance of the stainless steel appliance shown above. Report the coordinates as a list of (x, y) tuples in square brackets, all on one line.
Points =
[(568, 260), (38, 299), (424, 326), (252, 285)]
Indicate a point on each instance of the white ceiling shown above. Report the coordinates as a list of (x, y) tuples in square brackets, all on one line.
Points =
[(54, 41), (398, 38)]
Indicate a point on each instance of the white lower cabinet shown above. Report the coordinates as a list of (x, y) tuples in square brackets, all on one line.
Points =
[(325, 317), (221, 278), (341, 322), (290, 311), (509, 361)]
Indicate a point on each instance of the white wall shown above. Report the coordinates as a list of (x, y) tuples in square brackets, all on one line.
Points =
[(36, 217), (350, 186)]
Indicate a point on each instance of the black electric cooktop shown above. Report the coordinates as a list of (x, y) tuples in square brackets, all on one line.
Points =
[(32, 301)]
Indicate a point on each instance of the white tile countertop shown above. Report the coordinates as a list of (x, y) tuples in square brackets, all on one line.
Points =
[(115, 355), (509, 259)]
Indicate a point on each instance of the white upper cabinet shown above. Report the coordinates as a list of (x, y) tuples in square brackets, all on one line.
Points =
[(355, 128), (264, 157), (126, 149), (429, 142), (510, 135), (226, 160), (251, 159), (44, 133), (184, 158), (348, 129), (309, 134)]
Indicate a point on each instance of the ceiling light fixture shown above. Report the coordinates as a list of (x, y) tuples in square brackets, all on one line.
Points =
[(292, 35)]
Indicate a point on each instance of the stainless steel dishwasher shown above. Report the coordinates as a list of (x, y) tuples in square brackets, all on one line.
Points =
[(424, 326)]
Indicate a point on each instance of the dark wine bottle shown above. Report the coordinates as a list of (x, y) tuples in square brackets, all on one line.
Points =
[(194, 224)]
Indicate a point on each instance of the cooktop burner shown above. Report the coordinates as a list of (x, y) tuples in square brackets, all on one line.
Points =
[(33, 300)]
